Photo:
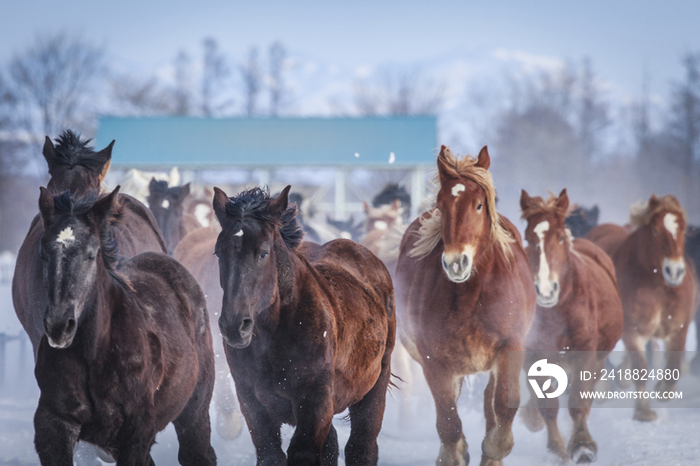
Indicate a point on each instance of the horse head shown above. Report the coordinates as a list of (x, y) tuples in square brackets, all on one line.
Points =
[(661, 227), (73, 165), (167, 207), (248, 248), (73, 248), (464, 211), (549, 243)]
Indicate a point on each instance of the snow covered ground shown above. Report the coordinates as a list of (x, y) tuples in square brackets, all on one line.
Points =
[(672, 440)]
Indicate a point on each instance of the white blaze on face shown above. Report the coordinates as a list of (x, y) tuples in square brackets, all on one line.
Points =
[(543, 281), (671, 224), (380, 225), (239, 233), (456, 189), (66, 236), (165, 204)]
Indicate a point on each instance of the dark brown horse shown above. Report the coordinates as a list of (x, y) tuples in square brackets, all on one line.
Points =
[(126, 347), (657, 285), (166, 203), (465, 299), (309, 332), (76, 168), (579, 310), (196, 252)]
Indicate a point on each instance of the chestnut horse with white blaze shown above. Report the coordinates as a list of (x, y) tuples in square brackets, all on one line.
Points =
[(657, 285), (578, 310), (309, 332), (465, 299)]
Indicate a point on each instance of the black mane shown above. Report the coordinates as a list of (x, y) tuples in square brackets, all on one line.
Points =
[(390, 193), (75, 206), (158, 187), (71, 151), (253, 203)]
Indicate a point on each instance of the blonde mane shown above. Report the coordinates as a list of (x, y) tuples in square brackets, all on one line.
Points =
[(543, 206), (430, 233), (641, 213)]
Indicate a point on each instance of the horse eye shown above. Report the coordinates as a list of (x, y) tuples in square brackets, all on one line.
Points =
[(91, 256), (561, 239), (478, 208), (655, 231), (263, 255)]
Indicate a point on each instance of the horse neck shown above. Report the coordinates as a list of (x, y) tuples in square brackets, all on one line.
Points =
[(95, 330)]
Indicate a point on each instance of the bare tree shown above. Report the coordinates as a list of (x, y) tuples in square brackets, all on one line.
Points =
[(593, 118), (132, 96), (183, 84), (278, 55), (252, 79), (214, 72), (54, 84), (400, 92)]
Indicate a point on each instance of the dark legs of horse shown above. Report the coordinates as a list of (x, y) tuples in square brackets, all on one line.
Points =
[(499, 417), (446, 389), (264, 432), (54, 439), (329, 455), (193, 426), (366, 421)]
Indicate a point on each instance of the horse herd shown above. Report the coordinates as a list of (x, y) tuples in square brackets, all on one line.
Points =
[(137, 316)]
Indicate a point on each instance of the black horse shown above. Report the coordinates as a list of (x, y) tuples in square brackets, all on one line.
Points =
[(126, 346), (309, 332)]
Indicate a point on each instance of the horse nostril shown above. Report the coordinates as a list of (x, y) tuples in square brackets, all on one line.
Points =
[(537, 288), (555, 286), (464, 261), (246, 327), (667, 271), (70, 326)]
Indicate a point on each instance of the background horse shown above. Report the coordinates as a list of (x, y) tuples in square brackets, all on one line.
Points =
[(127, 347), (196, 252), (656, 284), (166, 203), (578, 309), (136, 182), (76, 168), (309, 331), (581, 220), (465, 299)]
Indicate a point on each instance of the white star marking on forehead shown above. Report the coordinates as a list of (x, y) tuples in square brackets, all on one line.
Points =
[(239, 233), (165, 204), (66, 236), (671, 224), (458, 188)]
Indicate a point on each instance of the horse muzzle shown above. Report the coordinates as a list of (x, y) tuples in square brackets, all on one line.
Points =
[(61, 331), (673, 271), (239, 335), (458, 267), (547, 294)]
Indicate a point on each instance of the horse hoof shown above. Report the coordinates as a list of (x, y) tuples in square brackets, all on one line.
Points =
[(645, 415), (229, 425), (583, 454)]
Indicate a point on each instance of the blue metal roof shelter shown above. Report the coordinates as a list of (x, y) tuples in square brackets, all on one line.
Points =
[(192, 142)]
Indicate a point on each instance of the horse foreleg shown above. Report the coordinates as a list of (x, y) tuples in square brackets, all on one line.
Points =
[(675, 350), (330, 452), (313, 412), (263, 430), (635, 345), (582, 448), (366, 421), (530, 413), (504, 379), (54, 438), (446, 388), (134, 441)]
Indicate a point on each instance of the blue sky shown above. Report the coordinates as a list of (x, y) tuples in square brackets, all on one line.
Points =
[(622, 37)]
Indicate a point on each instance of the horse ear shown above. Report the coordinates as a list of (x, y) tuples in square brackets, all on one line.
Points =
[(442, 164), (152, 185), (49, 153), (653, 201), (105, 156), (484, 160), (525, 200), (593, 214), (563, 201), (219, 204), (366, 207), (46, 205), (103, 207), (279, 204), (184, 192)]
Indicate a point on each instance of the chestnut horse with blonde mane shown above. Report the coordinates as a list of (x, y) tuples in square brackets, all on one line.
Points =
[(657, 285), (578, 309), (465, 299)]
